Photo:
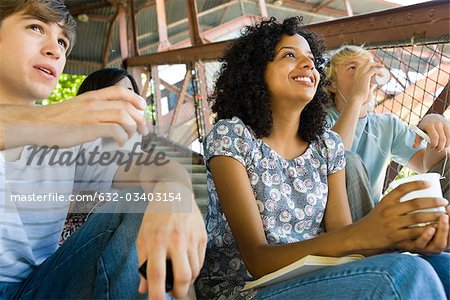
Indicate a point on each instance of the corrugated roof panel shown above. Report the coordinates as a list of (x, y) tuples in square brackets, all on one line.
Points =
[(203, 5), (90, 49), (175, 10), (146, 21), (115, 47), (231, 13)]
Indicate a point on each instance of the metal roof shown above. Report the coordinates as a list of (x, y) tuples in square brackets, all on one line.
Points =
[(89, 53)]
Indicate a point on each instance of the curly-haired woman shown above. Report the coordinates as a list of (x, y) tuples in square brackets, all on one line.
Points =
[(270, 165)]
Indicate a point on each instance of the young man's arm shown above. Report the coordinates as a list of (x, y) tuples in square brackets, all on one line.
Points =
[(345, 125), (111, 112), (353, 104), (170, 229)]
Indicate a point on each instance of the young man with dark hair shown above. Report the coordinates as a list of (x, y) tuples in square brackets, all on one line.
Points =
[(100, 260)]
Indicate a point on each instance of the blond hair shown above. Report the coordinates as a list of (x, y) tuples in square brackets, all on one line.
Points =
[(337, 57), (53, 11)]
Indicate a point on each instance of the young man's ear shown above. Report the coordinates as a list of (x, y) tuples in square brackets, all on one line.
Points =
[(332, 88)]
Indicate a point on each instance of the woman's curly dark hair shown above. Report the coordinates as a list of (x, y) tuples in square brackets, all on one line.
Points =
[(240, 87)]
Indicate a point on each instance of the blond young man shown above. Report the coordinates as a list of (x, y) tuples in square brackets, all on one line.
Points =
[(376, 139), (101, 260)]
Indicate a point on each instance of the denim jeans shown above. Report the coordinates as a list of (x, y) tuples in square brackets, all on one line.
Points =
[(386, 276), (99, 261)]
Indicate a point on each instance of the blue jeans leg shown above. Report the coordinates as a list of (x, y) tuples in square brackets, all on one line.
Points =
[(98, 262), (441, 264), (386, 276)]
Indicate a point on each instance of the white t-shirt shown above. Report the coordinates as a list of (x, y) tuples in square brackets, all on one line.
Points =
[(35, 195)]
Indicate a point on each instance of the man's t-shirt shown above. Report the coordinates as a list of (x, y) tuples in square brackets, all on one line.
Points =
[(34, 201), (379, 139)]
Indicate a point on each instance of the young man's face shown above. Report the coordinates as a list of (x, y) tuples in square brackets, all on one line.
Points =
[(345, 74), (32, 58)]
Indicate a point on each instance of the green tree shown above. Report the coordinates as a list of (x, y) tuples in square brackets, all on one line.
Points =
[(66, 88)]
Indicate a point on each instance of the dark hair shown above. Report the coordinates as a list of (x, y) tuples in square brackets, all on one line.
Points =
[(240, 86), (104, 78), (45, 10)]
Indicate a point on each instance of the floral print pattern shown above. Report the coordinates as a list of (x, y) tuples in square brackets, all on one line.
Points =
[(291, 196)]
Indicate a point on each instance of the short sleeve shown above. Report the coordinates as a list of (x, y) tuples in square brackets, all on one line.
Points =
[(230, 137), (333, 151), (402, 149)]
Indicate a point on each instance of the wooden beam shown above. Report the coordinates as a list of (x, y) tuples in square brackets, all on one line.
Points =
[(180, 102), (194, 26), (175, 90), (164, 43), (428, 20), (215, 32), (204, 91), (134, 44), (322, 5), (348, 7), (123, 39), (186, 113), (203, 13), (148, 78), (205, 52), (156, 80), (263, 8), (108, 43), (441, 103)]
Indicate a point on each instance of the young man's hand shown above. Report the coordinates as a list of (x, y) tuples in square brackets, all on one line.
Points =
[(437, 127), (113, 112), (362, 86), (168, 232)]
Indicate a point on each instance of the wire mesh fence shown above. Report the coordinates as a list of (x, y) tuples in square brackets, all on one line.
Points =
[(419, 84)]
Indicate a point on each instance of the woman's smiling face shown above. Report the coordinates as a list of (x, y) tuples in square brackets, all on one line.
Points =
[(292, 75)]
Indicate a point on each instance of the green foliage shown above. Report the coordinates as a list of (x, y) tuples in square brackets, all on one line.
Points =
[(66, 88), (405, 172)]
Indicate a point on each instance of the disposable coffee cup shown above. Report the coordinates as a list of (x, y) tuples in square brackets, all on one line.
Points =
[(433, 191)]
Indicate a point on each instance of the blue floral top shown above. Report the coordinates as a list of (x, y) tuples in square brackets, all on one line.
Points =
[(291, 196)]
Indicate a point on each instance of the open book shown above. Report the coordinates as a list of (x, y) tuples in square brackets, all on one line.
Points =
[(302, 266)]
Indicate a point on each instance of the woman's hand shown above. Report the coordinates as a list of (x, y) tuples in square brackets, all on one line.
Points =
[(434, 239), (388, 224)]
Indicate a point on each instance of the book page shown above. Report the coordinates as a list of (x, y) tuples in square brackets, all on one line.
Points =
[(300, 267)]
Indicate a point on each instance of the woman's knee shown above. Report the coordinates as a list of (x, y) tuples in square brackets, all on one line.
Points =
[(410, 276)]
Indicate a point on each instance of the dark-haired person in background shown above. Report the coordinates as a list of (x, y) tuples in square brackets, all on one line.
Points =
[(108, 77), (276, 184), (97, 80)]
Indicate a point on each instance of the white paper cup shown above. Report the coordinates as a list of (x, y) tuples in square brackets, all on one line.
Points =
[(433, 191)]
